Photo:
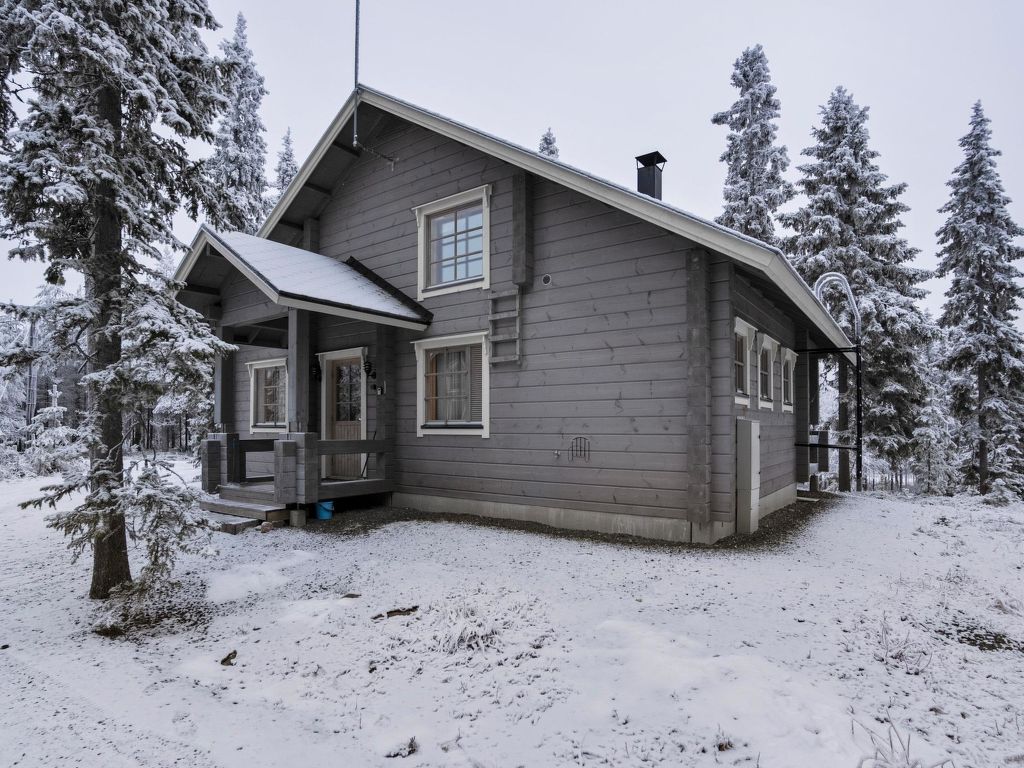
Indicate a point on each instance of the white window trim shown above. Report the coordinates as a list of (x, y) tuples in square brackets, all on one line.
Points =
[(789, 356), (767, 342), (421, 346), (253, 367), (423, 213), (743, 328)]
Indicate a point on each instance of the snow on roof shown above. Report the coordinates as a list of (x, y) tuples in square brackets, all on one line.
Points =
[(296, 277)]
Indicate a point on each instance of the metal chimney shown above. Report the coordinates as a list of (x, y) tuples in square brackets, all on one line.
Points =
[(648, 174)]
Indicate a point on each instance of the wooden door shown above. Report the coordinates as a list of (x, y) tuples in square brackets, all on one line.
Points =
[(345, 414)]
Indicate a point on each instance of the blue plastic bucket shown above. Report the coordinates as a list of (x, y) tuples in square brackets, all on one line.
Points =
[(324, 510)]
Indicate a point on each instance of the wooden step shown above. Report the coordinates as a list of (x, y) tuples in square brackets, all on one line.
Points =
[(506, 315), (506, 293), (253, 494), (265, 512)]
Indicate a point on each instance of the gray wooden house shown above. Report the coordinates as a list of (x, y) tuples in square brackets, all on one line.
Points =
[(434, 313)]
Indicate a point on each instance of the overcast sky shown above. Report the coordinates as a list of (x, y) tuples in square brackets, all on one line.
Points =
[(615, 79)]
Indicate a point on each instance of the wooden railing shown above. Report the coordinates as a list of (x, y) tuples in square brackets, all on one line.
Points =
[(297, 466)]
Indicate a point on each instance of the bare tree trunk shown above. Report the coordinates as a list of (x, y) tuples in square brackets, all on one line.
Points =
[(103, 280), (983, 480)]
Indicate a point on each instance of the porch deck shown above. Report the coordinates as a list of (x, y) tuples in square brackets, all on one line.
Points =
[(297, 481)]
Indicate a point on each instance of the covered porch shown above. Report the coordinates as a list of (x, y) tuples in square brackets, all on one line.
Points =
[(305, 410)]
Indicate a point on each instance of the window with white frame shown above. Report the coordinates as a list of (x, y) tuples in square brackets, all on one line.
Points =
[(767, 349), (452, 385), (743, 341), (788, 372), (454, 243), (268, 396)]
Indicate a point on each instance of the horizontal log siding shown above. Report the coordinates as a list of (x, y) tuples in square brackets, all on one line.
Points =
[(604, 352), (778, 429)]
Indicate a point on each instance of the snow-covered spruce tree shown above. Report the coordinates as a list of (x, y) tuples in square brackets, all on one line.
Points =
[(52, 447), (285, 169), (13, 387), (985, 349), (935, 454), (238, 164), (548, 146), (754, 187), (850, 224), (90, 178)]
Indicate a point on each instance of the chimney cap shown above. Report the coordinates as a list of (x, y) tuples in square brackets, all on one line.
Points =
[(651, 158)]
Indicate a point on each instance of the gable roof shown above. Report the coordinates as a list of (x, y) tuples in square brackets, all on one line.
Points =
[(744, 250), (293, 277)]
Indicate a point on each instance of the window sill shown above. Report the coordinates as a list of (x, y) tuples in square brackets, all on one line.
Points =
[(787, 407), (257, 429), (477, 283), (766, 405), (743, 400), (476, 430)]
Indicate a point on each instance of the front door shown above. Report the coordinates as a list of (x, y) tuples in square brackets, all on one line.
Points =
[(344, 416)]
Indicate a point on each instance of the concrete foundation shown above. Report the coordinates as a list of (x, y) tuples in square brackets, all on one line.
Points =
[(659, 528), (776, 501)]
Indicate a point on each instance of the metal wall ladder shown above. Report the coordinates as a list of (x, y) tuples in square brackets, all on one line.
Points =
[(506, 325)]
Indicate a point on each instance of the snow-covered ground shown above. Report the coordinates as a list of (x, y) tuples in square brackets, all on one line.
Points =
[(529, 649)]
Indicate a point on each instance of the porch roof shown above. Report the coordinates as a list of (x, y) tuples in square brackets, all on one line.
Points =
[(298, 278)]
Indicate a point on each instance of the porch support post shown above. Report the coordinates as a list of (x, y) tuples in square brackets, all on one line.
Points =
[(210, 458), (802, 406), (285, 471), (224, 388), (307, 466), (844, 423), (299, 365), (386, 412)]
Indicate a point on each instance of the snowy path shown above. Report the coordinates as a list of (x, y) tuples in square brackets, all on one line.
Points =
[(573, 652)]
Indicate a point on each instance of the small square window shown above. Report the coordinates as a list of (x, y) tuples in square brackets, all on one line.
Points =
[(454, 243), (456, 250)]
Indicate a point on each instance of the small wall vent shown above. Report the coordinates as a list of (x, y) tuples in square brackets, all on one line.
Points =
[(579, 449)]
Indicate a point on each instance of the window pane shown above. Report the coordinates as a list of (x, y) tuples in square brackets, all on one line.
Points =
[(741, 364), (448, 385), (456, 244), (270, 400)]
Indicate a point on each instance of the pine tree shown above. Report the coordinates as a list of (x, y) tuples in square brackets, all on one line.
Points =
[(754, 187), (986, 351), (850, 224), (238, 164), (286, 168), (90, 178), (547, 146)]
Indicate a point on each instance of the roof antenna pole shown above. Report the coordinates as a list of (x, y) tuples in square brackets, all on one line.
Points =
[(355, 108)]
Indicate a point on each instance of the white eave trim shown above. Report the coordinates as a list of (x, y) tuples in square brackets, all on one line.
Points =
[(206, 238)]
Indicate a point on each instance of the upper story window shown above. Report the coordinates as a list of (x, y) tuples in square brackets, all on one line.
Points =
[(452, 385), (744, 335), (454, 243), (767, 350), (268, 396), (740, 365), (788, 373)]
